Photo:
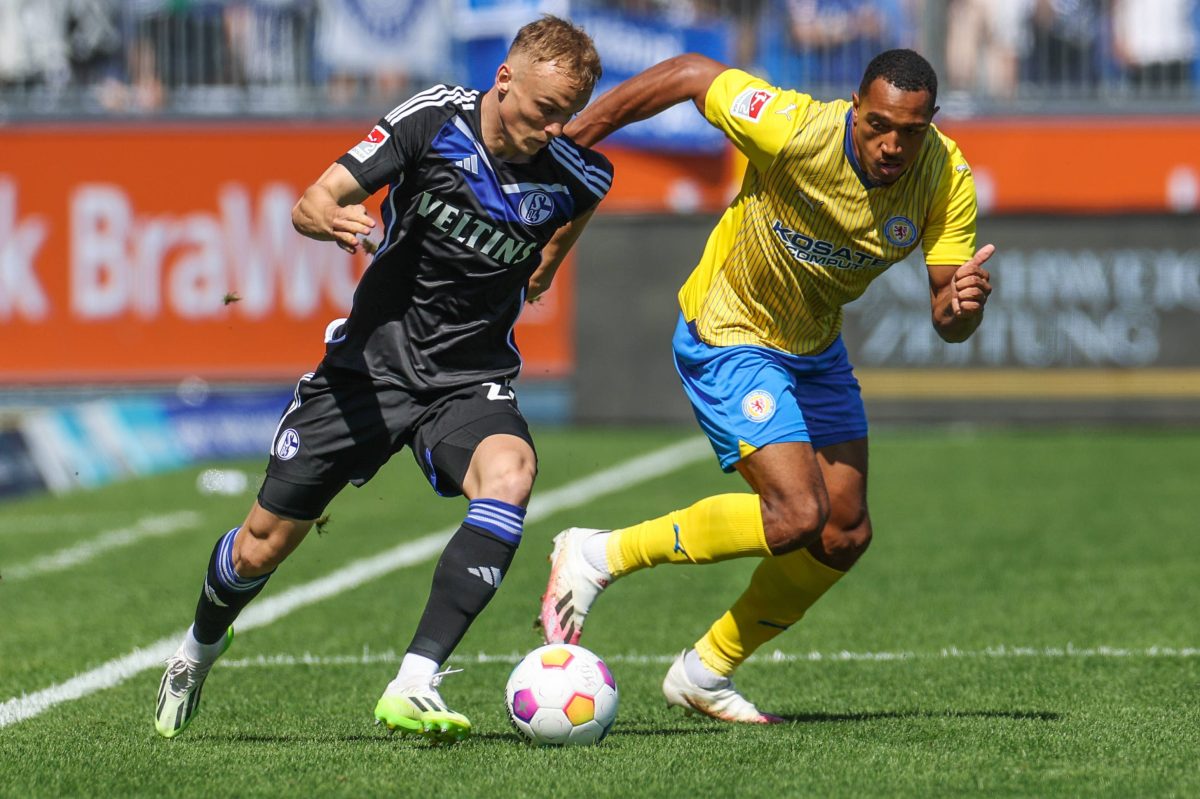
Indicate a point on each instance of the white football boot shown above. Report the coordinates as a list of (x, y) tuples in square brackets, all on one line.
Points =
[(723, 703), (573, 586), (179, 691)]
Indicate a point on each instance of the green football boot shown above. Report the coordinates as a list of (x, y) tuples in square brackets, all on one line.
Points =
[(416, 708)]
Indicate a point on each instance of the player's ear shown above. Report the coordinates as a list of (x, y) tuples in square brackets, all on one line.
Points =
[(503, 78)]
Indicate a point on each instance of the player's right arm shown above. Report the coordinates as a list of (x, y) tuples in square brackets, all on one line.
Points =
[(667, 83), (331, 209)]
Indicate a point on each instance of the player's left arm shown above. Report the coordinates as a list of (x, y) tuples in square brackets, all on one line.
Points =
[(555, 252), (959, 285), (958, 294)]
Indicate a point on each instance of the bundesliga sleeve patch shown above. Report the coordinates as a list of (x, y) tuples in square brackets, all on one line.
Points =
[(368, 146), (750, 103)]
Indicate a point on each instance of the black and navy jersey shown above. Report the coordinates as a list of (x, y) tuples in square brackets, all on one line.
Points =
[(462, 234)]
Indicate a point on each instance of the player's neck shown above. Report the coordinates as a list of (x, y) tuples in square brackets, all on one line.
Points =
[(495, 139)]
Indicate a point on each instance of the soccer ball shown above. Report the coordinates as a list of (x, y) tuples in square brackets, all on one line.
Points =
[(561, 695)]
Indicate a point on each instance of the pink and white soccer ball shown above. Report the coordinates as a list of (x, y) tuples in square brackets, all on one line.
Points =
[(561, 695)]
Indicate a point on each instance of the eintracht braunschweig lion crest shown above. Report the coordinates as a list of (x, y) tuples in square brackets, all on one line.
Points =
[(758, 406), (900, 231)]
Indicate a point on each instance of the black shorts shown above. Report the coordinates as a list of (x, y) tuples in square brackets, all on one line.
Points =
[(342, 426)]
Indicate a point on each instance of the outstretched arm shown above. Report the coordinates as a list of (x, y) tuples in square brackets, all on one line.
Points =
[(957, 295), (330, 209), (683, 77)]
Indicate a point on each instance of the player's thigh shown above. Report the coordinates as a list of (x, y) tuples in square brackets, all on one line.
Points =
[(742, 396), (783, 469), (448, 436), (831, 399), (844, 472), (848, 532), (839, 471), (341, 427), (790, 486)]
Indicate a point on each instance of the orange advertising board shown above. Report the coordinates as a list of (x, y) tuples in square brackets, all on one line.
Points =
[(119, 247), (120, 244), (1082, 164), (1076, 165)]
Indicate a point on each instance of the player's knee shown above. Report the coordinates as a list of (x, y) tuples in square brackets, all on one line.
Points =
[(511, 481), (795, 522), (843, 544)]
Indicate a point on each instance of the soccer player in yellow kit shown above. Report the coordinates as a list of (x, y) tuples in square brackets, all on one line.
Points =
[(834, 194)]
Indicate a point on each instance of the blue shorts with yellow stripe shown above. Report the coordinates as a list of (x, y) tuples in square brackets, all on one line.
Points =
[(746, 397)]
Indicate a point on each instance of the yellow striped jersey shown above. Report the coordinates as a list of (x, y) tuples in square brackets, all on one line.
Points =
[(806, 235)]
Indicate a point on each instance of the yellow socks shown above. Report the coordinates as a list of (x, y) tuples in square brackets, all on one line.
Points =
[(781, 590), (716, 528), (719, 528)]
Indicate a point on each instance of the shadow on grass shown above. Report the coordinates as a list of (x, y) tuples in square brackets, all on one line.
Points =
[(1017, 715), (365, 737), (504, 737), (695, 725)]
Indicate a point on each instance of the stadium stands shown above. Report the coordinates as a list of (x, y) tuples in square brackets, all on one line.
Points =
[(325, 57)]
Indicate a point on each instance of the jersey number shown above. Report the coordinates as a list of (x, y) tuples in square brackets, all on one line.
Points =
[(494, 390)]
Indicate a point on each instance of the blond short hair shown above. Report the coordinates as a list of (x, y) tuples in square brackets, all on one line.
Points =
[(552, 38)]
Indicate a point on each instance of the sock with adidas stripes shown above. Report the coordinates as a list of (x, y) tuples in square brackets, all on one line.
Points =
[(467, 576), (225, 593)]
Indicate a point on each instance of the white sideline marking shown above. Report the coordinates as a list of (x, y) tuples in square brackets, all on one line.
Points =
[(43, 523), (777, 657), (114, 672), (149, 527)]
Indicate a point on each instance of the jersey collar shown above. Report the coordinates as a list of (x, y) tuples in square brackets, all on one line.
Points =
[(852, 158)]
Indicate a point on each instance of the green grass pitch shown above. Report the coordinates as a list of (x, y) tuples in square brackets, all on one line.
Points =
[(1025, 624)]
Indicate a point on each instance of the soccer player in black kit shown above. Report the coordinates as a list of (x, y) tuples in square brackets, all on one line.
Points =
[(485, 198)]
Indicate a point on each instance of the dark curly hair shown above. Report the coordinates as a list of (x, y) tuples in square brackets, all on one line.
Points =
[(905, 69)]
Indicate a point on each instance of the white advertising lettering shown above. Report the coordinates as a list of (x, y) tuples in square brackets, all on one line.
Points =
[(123, 263), (21, 293)]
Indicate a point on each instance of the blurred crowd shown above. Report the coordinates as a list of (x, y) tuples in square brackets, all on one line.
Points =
[(996, 49), (999, 47), (151, 55), (144, 55)]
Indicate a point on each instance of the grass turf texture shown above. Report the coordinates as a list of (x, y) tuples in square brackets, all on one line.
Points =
[(1035, 540)]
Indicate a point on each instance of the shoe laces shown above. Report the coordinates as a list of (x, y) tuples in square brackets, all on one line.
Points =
[(182, 673), (185, 673), (437, 678)]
